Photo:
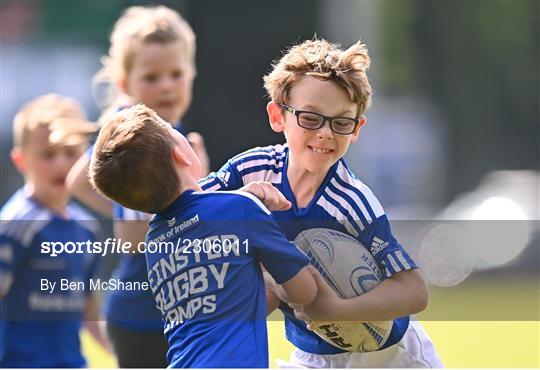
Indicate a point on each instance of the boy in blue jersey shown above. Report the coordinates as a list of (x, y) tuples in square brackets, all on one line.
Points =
[(318, 96), (41, 320), (151, 59), (204, 250)]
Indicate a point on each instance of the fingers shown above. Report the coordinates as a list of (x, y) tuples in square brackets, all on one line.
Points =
[(195, 139), (322, 285), (274, 199), (255, 189), (271, 197), (282, 203), (300, 315)]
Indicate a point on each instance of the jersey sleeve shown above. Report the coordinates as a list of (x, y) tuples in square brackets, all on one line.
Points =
[(386, 250), (281, 258), (121, 213), (227, 178), (11, 253)]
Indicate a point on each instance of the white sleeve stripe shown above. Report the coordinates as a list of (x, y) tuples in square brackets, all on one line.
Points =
[(335, 212), (263, 175), (355, 198), (31, 232), (207, 181), (268, 151), (259, 162), (401, 258), (252, 152), (214, 187), (128, 214), (373, 202), (6, 279), (347, 207), (393, 262), (267, 154)]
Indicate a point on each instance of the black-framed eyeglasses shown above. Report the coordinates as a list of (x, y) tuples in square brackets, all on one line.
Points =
[(314, 121)]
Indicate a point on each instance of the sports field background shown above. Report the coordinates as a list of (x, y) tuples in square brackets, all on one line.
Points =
[(460, 343)]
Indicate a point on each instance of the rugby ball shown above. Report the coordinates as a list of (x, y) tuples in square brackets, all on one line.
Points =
[(350, 270)]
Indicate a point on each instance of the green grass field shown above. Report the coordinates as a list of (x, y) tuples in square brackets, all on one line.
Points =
[(485, 344), (460, 343)]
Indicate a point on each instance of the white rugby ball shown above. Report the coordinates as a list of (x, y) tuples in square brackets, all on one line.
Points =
[(350, 270)]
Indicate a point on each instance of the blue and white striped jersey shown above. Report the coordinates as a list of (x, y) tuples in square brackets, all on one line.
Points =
[(40, 327), (342, 203)]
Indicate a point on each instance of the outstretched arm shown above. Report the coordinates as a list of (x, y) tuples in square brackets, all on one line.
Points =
[(404, 293), (79, 186)]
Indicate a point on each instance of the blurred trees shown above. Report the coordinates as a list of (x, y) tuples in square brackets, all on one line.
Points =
[(478, 61)]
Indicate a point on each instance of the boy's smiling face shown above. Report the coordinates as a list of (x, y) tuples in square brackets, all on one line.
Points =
[(315, 151)]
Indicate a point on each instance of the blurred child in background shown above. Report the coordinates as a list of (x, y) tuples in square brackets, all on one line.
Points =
[(41, 326)]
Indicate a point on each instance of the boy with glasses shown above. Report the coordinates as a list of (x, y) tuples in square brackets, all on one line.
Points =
[(318, 96)]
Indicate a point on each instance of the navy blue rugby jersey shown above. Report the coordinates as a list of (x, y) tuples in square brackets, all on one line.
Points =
[(209, 287), (40, 327), (342, 203), (133, 309)]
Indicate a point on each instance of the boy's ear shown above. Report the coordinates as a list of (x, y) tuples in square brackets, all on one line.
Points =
[(179, 158), (17, 158), (356, 131), (275, 116)]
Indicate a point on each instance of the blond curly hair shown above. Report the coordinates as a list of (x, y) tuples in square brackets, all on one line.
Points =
[(321, 59)]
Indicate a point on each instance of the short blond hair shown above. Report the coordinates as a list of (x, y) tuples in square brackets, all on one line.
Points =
[(132, 161), (62, 116), (321, 59), (137, 26)]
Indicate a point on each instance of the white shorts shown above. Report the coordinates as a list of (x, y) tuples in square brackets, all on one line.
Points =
[(414, 350)]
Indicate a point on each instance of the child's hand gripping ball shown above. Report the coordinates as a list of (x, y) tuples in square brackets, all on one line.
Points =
[(350, 270)]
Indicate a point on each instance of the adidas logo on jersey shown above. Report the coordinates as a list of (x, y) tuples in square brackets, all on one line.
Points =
[(224, 177), (378, 245)]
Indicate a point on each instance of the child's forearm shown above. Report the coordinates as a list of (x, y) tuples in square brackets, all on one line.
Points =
[(275, 288), (403, 294), (272, 301), (79, 186), (91, 317)]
